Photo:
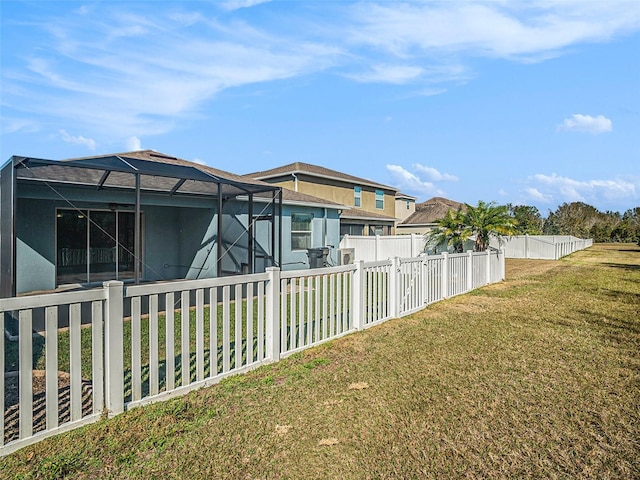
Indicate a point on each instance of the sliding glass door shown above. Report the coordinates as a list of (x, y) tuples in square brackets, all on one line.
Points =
[(94, 246)]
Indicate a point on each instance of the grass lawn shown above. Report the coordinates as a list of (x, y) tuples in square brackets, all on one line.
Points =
[(538, 376)]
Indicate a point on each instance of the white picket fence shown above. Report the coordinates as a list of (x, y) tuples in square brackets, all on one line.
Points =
[(544, 247), (186, 335)]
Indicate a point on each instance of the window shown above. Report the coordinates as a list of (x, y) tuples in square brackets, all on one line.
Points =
[(351, 229), (378, 230), (379, 199), (301, 231), (408, 204), (357, 196)]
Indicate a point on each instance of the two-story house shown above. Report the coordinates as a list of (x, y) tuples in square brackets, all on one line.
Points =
[(372, 206)]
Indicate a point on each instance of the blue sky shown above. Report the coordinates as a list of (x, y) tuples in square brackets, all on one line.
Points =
[(534, 103)]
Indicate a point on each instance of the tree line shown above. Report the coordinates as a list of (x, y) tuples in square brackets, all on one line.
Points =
[(580, 220), (488, 219)]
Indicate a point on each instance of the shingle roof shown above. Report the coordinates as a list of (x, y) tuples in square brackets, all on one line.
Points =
[(404, 195), (432, 210), (317, 171), (159, 157), (359, 214)]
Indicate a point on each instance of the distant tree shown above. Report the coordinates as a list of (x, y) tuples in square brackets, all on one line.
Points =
[(631, 220), (584, 221), (528, 219), (574, 218), (450, 231), (488, 220)]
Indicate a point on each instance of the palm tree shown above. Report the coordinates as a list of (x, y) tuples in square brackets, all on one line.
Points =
[(488, 220), (450, 230)]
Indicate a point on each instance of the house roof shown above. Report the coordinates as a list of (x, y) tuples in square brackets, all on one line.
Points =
[(400, 195), (359, 214), (158, 172), (315, 171), (431, 211)]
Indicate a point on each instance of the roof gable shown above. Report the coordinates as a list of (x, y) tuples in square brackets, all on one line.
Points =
[(432, 210), (315, 171)]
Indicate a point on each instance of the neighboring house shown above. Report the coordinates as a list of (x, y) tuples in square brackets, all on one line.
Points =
[(405, 206), (372, 205), (146, 216), (427, 214), (308, 222)]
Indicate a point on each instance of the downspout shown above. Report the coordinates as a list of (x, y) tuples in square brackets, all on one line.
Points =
[(295, 182), (324, 228)]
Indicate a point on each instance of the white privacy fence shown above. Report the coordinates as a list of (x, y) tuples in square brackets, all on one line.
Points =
[(543, 247), (383, 247), (131, 345)]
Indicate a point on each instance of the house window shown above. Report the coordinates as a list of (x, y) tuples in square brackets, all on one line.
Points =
[(408, 204), (301, 231), (351, 229), (378, 230), (357, 196), (379, 199)]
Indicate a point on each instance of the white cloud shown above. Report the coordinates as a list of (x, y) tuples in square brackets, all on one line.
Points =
[(78, 140), (123, 74), (547, 187), (125, 71), (409, 181), (133, 144), (433, 174), (237, 4), (586, 123), (422, 182), (495, 29), (537, 196), (396, 74)]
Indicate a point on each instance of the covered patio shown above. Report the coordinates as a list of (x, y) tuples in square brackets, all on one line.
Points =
[(136, 216)]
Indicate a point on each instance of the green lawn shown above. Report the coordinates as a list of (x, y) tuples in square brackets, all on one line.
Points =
[(537, 377)]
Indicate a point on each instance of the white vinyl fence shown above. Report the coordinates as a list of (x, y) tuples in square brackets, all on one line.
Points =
[(541, 247), (383, 247), (179, 336)]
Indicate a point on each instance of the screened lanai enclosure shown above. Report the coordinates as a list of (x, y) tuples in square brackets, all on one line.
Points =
[(138, 217)]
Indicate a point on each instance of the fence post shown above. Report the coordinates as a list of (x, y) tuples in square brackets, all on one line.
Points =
[(503, 269), (114, 347), (272, 320), (358, 295), (488, 271), (445, 275), (526, 246), (377, 248), (394, 288), (469, 270)]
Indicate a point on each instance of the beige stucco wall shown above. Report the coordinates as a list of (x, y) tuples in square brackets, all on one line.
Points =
[(406, 230), (339, 192), (402, 211)]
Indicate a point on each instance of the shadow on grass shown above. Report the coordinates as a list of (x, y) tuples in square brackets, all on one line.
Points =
[(623, 266)]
